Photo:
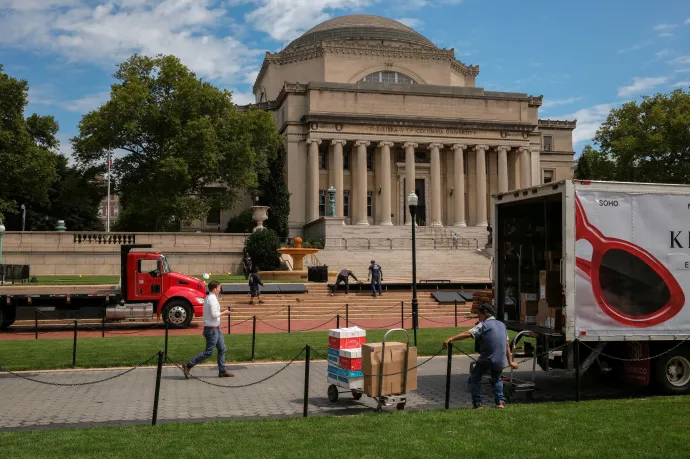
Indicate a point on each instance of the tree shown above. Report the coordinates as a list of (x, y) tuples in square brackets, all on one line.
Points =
[(181, 136), (263, 248), (593, 165), (276, 195), (27, 157), (645, 142)]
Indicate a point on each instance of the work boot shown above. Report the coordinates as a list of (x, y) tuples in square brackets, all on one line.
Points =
[(477, 406), (225, 374), (500, 405), (185, 370)]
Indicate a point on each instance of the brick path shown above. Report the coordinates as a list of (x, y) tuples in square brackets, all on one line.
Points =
[(129, 398)]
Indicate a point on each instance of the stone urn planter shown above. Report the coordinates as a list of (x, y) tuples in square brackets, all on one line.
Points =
[(260, 216)]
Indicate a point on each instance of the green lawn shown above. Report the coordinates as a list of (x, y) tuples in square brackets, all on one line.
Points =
[(44, 354), (112, 280), (653, 427)]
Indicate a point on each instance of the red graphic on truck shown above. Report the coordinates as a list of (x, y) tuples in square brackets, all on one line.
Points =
[(629, 284)]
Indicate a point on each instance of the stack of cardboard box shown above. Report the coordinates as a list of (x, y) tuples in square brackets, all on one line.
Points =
[(393, 366), (545, 308), (345, 357)]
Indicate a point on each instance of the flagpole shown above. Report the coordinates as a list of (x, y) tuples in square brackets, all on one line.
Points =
[(108, 206)]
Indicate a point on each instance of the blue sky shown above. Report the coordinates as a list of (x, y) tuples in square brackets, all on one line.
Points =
[(584, 56)]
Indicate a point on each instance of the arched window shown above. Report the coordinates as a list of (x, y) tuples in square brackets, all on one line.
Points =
[(388, 77)]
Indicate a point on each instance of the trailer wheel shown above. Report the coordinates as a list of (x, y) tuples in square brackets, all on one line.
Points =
[(178, 313), (673, 371)]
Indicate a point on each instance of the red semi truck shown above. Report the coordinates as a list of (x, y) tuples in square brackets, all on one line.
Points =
[(148, 287)]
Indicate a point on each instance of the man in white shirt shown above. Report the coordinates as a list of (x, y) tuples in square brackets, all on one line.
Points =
[(212, 333)]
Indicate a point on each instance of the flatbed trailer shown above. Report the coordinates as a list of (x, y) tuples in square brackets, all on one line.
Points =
[(606, 268)]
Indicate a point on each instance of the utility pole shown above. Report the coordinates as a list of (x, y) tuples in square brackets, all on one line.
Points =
[(108, 198)]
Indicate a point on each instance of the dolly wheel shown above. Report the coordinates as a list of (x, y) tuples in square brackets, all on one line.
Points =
[(332, 393), (379, 408), (356, 395), (400, 406)]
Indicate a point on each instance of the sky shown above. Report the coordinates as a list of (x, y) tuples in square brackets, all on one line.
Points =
[(585, 57)]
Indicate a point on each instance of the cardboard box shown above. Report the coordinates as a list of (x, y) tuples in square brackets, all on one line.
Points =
[(346, 338), (393, 363), (335, 370), (346, 383), (350, 359), (550, 289), (528, 307), (333, 356), (543, 314)]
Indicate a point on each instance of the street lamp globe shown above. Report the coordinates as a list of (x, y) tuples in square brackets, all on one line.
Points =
[(412, 200), (2, 228)]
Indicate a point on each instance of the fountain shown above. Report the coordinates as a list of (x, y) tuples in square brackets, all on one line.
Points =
[(297, 253)]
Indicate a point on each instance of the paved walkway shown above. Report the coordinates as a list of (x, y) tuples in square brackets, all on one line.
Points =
[(128, 399)]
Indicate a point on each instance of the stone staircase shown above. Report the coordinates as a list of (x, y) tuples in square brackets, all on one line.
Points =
[(317, 304)]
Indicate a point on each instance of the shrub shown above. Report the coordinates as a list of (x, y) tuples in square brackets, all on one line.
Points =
[(313, 244), (263, 248), (242, 223)]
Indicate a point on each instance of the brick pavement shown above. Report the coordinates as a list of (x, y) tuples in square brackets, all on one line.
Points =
[(129, 399)]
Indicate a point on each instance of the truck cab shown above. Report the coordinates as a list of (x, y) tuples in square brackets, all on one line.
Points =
[(146, 277)]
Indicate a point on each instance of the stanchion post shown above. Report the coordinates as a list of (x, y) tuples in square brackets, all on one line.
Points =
[(289, 325), (36, 321), (229, 313), (576, 348), (306, 379), (167, 327), (456, 313), (347, 315), (103, 323), (402, 314), (337, 321), (253, 335), (448, 370), (159, 370), (74, 348)]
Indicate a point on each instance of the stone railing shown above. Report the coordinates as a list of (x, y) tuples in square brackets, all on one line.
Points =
[(105, 238)]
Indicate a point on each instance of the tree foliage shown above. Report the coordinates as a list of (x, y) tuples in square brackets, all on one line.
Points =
[(276, 195), (241, 223), (27, 159), (181, 135), (263, 248), (642, 142)]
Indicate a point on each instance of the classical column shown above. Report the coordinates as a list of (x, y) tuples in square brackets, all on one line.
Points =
[(502, 168), (459, 185), (436, 184), (409, 177), (536, 168), (361, 190), (386, 183), (525, 167), (480, 151), (313, 181), (338, 175)]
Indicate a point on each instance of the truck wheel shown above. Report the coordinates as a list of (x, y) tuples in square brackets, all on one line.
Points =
[(178, 313), (673, 372)]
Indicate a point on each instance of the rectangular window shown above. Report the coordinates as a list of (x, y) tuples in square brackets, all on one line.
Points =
[(548, 143), (346, 203), (548, 175), (323, 157), (370, 160), (370, 203), (322, 203), (347, 149), (213, 217)]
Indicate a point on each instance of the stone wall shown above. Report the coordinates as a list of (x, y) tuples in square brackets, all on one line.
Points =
[(69, 253)]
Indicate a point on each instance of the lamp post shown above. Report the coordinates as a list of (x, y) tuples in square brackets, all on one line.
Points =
[(2, 232), (23, 208), (412, 201)]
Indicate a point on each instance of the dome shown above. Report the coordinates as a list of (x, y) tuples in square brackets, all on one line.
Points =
[(360, 27)]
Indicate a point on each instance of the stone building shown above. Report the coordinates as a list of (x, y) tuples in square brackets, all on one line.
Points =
[(374, 109)]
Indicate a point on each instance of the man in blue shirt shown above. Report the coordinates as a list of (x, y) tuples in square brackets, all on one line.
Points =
[(376, 275), (494, 350)]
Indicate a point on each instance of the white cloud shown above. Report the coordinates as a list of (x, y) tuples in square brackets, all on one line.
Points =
[(663, 53), (87, 103), (665, 30), (682, 84), (548, 103), (682, 70), (681, 60), (285, 20), (687, 21), (193, 30), (588, 120), (640, 85), (636, 47), (243, 98), (411, 22)]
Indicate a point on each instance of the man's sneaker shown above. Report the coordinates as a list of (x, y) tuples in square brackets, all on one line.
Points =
[(478, 407), (185, 370), (225, 374), (500, 405)]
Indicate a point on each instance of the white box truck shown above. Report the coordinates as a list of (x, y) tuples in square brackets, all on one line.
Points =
[(599, 271)]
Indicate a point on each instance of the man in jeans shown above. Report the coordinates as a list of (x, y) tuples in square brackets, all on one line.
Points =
[(376, 275), (212, 333), (494, 348), (344, 276)]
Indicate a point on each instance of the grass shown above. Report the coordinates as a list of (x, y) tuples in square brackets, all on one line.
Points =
[(48, 354), (113, 280), (653, 427)]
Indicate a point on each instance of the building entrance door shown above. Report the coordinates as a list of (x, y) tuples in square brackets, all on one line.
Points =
[(421, 206)]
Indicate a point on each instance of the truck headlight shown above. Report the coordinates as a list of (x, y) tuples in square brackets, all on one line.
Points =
[(199, 300)]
